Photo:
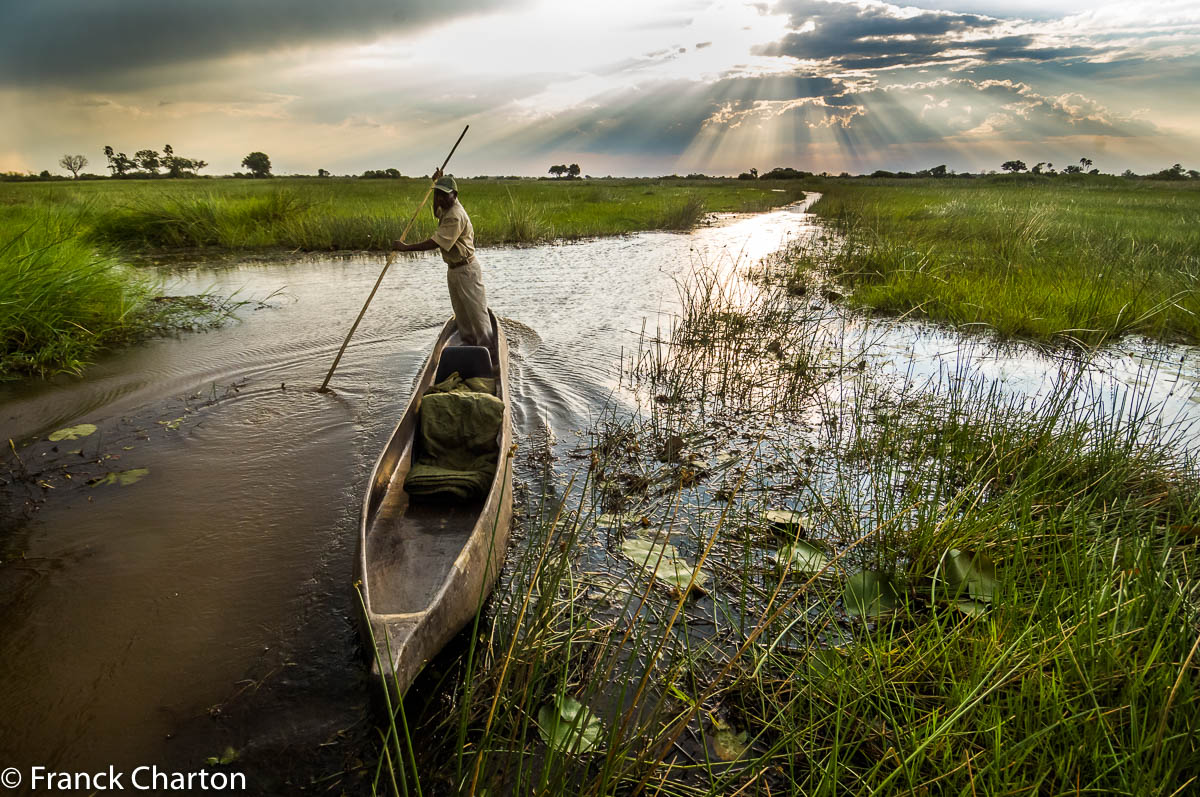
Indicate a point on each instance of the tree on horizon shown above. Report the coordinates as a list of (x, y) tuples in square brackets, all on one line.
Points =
[(73, 163), (258, 163)]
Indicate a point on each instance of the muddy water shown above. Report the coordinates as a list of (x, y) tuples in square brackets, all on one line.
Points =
[(208, 604)]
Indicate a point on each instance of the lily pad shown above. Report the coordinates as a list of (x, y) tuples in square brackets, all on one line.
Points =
[(971, 608), (802, 557), (123, 478), (569, 726), (664, 561), (73, 432), (228, 757), (613, 520), (970, 574), (786, 519), (824, 662), (729, 746), (869, 593)]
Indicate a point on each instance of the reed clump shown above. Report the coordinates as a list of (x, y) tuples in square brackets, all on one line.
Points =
[(202, 220), (65, 299), (682, 215)]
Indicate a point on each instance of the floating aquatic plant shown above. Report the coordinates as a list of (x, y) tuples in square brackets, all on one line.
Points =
[(568, 726)]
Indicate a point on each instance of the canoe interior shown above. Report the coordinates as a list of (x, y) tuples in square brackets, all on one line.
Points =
[(411, 547)]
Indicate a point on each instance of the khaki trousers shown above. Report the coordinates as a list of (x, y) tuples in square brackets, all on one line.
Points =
[(469, 301)]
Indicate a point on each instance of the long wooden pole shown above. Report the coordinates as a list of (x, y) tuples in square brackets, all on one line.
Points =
[(390, 258)]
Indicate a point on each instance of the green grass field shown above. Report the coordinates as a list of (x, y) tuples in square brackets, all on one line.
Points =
[(1084, 260), (334, 214), (64, 246)]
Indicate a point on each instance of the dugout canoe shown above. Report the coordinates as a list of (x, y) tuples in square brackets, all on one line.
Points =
[(424, 568)]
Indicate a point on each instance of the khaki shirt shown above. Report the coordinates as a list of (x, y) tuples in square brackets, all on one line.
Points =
[(455, 236)]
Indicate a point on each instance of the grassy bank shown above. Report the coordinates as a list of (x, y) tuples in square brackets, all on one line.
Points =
[(1088, 260), (333, 214), (964, 593), (64, 299)]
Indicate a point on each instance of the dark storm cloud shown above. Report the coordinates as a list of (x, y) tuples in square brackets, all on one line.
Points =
[(74, 42), (849, 36), (1025, 48)]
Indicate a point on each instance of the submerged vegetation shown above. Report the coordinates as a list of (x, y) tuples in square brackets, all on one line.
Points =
[(791, 571), (1083, 261)]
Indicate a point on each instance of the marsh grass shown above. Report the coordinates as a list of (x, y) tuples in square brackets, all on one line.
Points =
[(338, 214), (682, 215), (63, 299), (1079, 675), (1074, 263), (200, 220)]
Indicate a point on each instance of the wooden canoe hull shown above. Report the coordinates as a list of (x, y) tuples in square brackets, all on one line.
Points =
[(424, 570)]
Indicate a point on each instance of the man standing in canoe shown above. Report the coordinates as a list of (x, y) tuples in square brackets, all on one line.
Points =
[(455, 237)]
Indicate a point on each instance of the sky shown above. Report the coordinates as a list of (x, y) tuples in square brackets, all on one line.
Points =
[(621, 87)]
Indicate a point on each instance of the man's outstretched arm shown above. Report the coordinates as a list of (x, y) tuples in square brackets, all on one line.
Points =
[(424, 246)]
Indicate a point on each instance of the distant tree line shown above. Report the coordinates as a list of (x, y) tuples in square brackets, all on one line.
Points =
[(562, 170), (149, 163), (1046, 167), (145, 163), (933, 171), (1176, 172), (381, 174), (778, 173)]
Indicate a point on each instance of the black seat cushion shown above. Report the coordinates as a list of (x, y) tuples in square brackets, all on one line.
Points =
[(469, 361)]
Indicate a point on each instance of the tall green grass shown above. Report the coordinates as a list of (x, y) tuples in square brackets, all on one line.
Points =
[(1072, 262), (199, 220), (61, 299), (1080, 675), (335, 214)]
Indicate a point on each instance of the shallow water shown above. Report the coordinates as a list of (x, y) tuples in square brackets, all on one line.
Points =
[(209, 603)]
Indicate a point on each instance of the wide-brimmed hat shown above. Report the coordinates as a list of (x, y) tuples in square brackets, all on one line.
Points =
[(446, 185)]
